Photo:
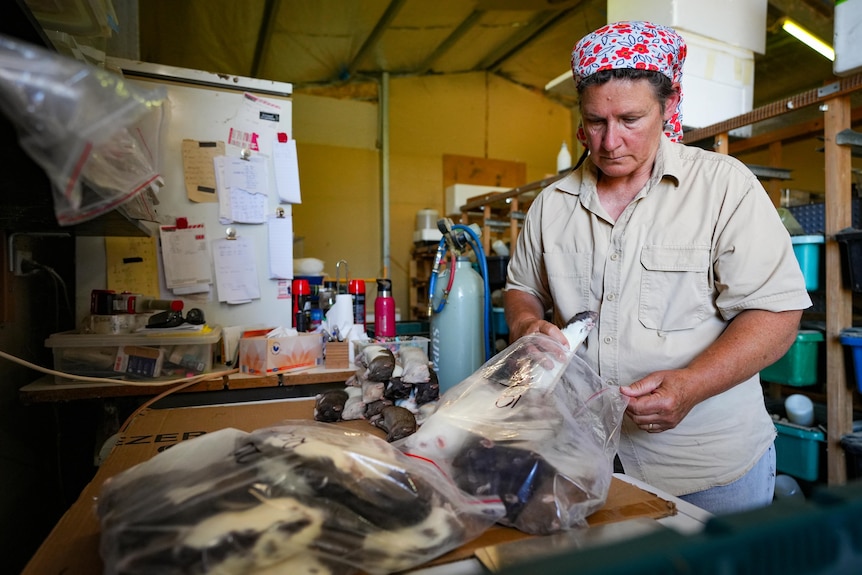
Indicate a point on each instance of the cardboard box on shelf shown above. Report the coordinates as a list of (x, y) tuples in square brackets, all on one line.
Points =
[(265, 352)]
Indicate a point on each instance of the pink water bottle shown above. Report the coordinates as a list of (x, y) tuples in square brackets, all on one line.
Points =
[(384, 310)]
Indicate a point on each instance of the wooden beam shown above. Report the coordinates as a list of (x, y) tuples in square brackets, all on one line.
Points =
[(787, 135), (839, 300)]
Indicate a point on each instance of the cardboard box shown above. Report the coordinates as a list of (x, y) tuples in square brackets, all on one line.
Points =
[(72, 547), (262, 355), (337, 355)]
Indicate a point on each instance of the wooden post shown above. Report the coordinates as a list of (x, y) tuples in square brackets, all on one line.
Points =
[(773, 186), (513, 224), (839, 301), (722, 143)]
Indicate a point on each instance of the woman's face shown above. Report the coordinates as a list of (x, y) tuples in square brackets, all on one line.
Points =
[(623, 123)]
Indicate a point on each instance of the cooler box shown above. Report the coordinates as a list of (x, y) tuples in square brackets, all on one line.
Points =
[(137, 355), (797, 450), (807, 250), (851, 338), (798, 366)]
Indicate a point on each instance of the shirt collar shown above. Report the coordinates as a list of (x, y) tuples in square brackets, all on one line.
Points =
[(667, 165)]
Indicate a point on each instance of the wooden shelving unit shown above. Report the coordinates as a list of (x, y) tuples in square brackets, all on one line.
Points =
[(502, 213), (835, 128), (421, 262)]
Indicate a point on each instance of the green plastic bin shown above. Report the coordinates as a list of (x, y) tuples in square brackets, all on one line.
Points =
[(797, 367), (797, 450)]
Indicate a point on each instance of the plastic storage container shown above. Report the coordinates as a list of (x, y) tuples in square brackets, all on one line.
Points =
[(850, 244), (807, 250), (498, 319), (797, 450), (851, 338), (798, 366), (135, 355)]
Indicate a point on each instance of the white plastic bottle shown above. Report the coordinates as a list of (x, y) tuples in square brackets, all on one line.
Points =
[(564, 158)]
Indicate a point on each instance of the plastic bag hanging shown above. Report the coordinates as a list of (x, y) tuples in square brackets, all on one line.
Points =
[(77, 122)]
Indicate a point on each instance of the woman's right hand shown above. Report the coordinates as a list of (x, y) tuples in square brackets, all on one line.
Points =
[(525, 315), (537, 325)]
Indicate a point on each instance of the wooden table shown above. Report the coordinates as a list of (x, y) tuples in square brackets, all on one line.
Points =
[(45, 389)]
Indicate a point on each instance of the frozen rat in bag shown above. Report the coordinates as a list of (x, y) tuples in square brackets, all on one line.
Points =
[(534, 426), (285, 498)]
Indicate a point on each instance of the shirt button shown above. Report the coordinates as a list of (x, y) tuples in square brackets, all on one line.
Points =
[(611, 382), (608, 339), (615, 256), (611, 297)]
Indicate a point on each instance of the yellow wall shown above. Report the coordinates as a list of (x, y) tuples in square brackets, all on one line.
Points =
[(478, 115), (804, 159)]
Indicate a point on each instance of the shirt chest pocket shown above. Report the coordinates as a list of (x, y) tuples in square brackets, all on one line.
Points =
[(674, 287)]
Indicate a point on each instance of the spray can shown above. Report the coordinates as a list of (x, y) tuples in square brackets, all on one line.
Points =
[(301, 304), (356, 289), (384, 309), (458, 331)]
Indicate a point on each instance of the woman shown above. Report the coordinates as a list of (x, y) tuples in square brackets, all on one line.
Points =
[(685, 259)]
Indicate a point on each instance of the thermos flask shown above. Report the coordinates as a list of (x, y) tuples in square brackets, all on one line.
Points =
[(384, 310)]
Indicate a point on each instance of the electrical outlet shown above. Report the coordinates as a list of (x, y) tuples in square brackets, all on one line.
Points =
[(20, 256)]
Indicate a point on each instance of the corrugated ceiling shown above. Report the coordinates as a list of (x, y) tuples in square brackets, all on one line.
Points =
[(341, 47)]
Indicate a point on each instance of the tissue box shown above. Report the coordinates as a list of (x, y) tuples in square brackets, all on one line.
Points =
[(262, 355)]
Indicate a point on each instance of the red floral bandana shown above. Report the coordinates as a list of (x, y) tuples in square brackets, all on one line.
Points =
[(640, 45)]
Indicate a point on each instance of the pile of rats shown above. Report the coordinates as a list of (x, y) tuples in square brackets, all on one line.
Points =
[(395, 391)]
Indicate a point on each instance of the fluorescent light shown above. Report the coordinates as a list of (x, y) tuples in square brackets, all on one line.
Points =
[(559, 80), (808, 38)]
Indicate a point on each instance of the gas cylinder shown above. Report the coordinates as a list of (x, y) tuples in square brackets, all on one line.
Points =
[(458, 331)]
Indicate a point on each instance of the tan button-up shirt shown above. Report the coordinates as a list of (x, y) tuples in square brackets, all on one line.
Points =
[(699, 244)]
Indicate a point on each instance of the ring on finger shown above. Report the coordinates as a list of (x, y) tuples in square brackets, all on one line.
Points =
[(650, 426)]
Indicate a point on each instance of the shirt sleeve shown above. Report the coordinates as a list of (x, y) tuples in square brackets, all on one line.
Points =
[(755, 266), (526, 270)]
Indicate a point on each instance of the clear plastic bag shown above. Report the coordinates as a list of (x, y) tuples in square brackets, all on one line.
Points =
[(78, 122), (295, 498), (535, 427)]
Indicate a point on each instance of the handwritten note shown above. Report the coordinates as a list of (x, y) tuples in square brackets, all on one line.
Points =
[(185, 256), (198, 170), (236, 273), (242, 189)]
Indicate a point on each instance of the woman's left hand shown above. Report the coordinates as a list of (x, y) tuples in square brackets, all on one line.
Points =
[(659, 401)]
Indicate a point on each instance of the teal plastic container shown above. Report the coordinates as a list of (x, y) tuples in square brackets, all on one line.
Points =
[(807, 250), (797, 450), (498, 320), (797, 367)]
